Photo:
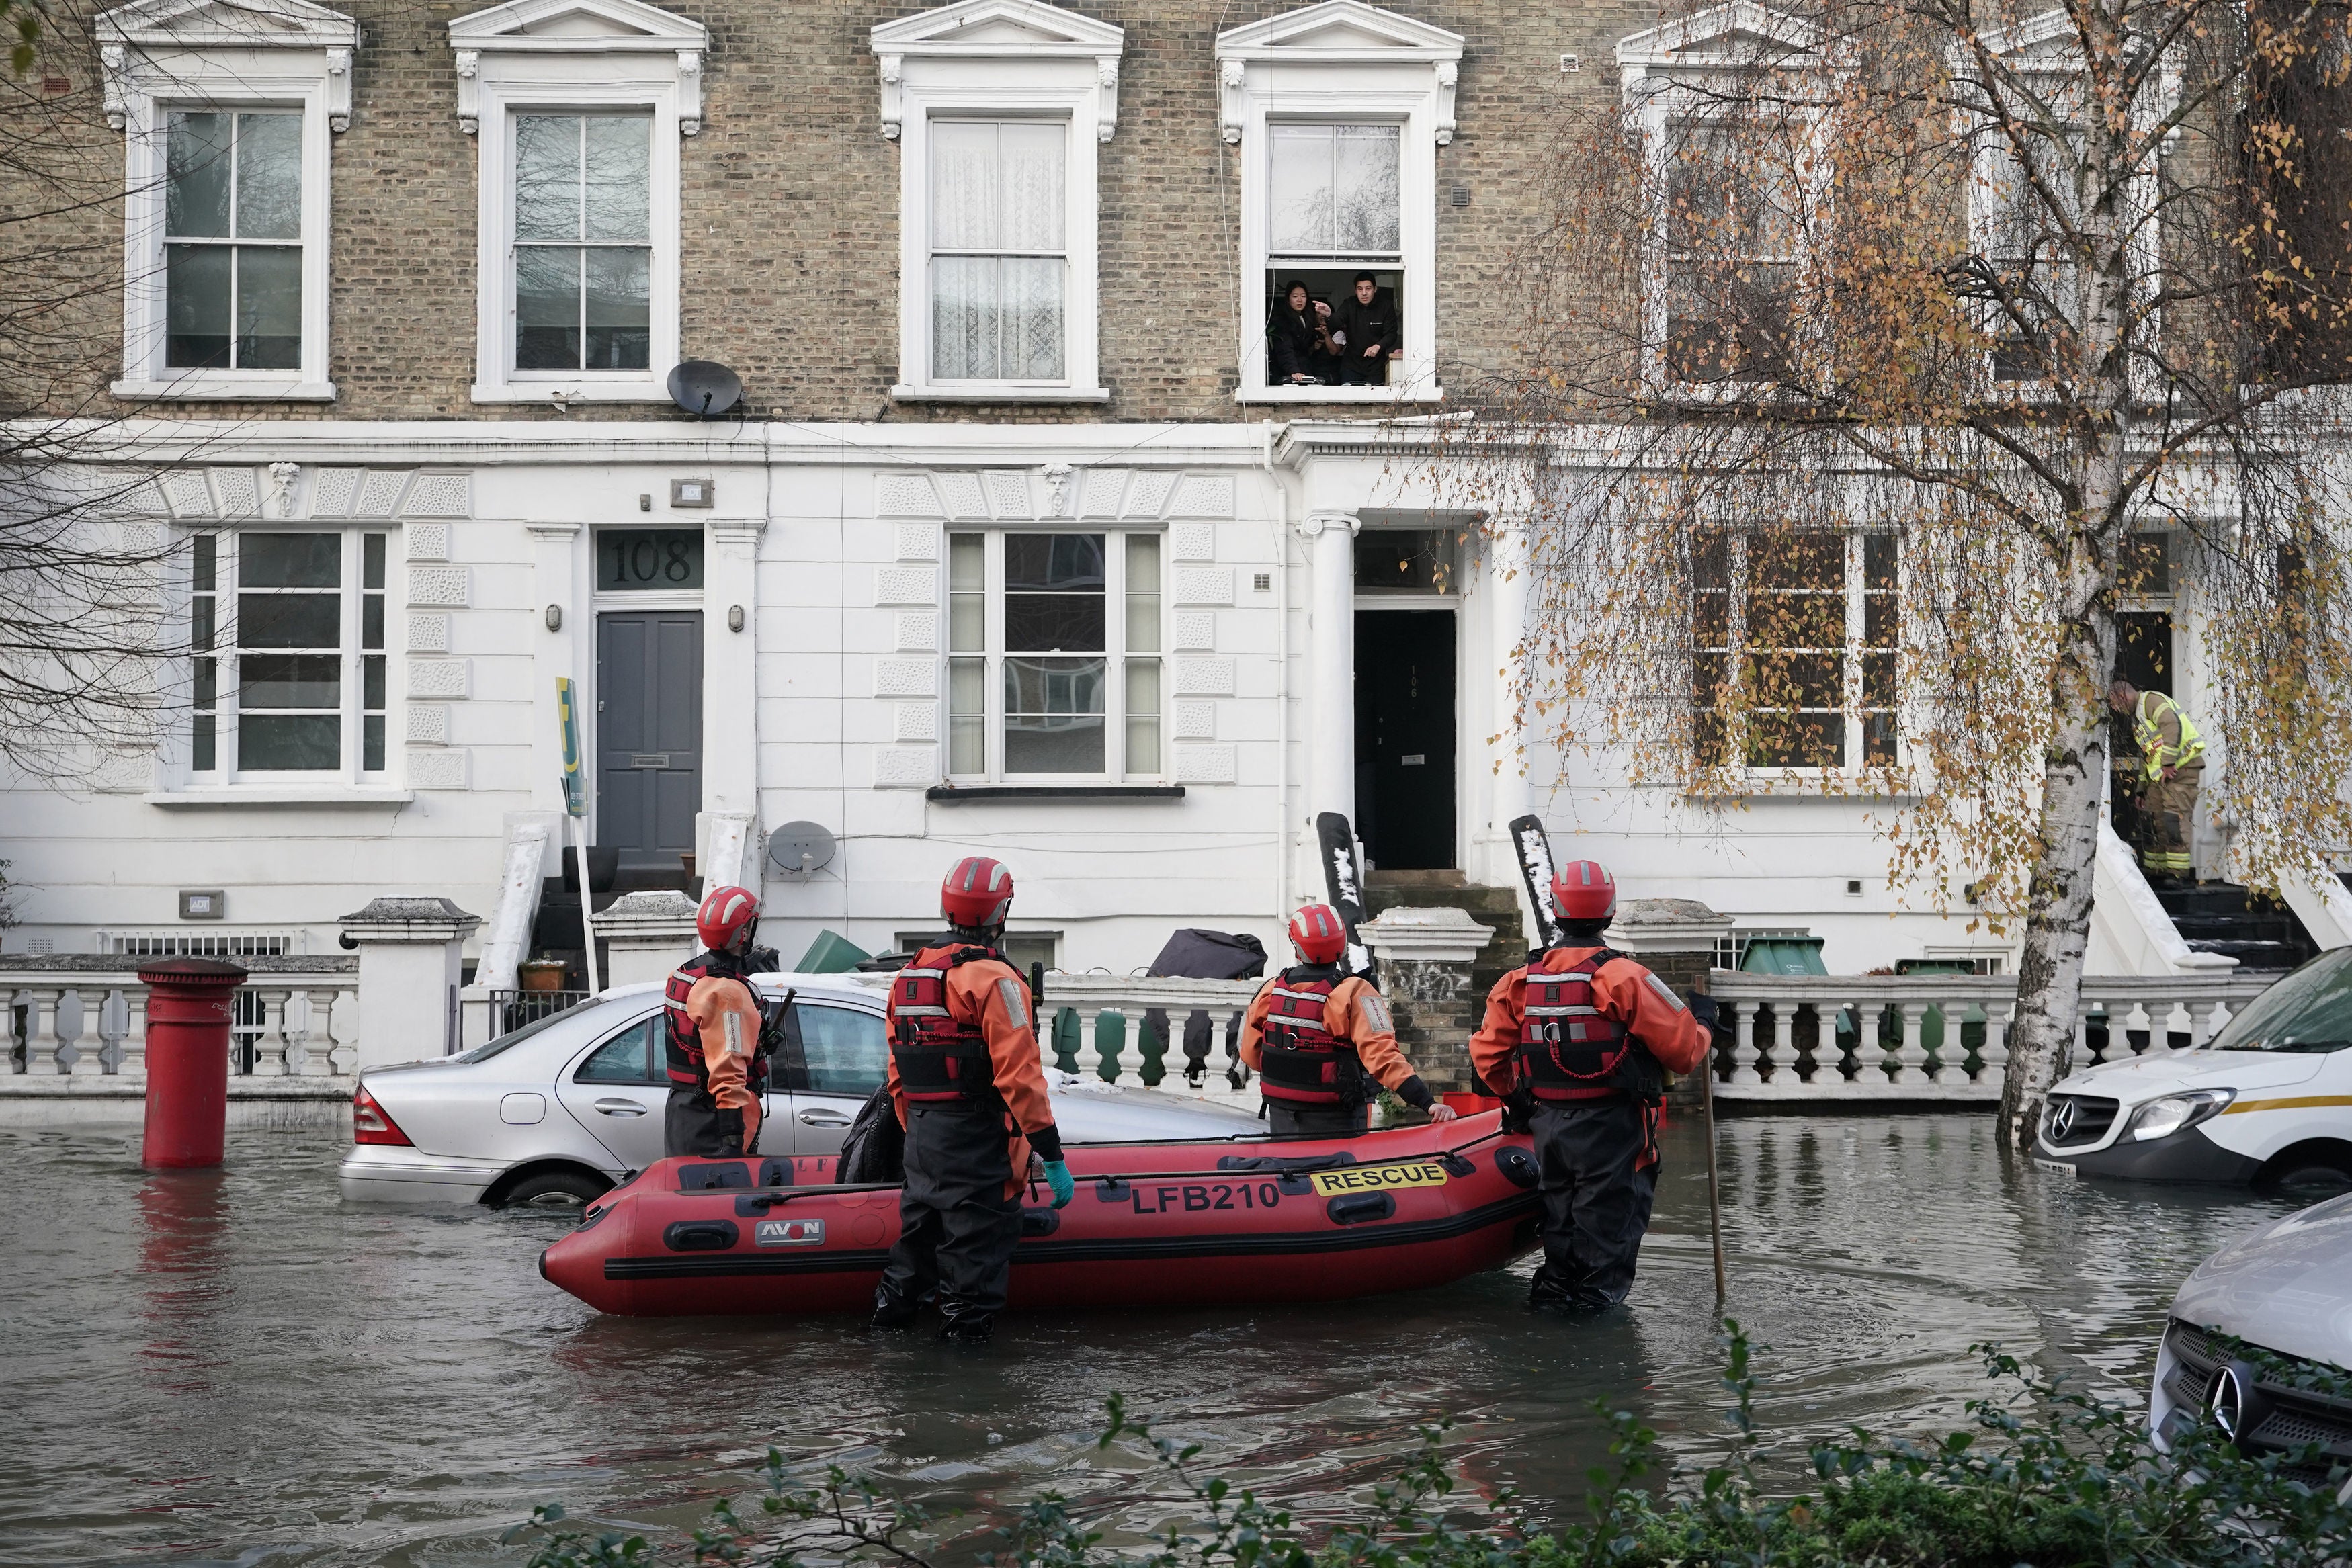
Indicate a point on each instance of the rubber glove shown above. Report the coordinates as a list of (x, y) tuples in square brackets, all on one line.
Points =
[(1057, 1176)]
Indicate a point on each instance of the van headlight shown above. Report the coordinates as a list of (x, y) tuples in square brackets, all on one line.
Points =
[(2162, 1118)]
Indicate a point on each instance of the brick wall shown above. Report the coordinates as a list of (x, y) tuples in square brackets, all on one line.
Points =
[(789, 241)]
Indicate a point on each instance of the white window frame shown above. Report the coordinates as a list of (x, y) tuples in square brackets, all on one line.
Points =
[(639, 58), (163, 55), (1116, 656), (349, 772), (999, 60), (1680, 74), (1342, 62), (1852, 707), (2044, 51)]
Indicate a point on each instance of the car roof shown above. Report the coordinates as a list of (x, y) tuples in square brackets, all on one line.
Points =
[(827, 987)]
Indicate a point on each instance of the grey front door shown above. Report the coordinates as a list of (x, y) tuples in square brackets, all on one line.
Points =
[(648, 734)]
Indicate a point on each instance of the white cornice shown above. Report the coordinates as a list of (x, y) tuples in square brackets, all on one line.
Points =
[(1008, 31)]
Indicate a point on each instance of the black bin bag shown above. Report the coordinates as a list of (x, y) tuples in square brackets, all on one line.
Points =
[(1209, 955), (874, 1149)]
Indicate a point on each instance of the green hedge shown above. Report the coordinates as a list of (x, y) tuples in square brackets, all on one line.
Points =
[(2046, 1477)]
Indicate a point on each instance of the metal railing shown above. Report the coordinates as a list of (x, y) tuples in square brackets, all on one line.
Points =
[(86, 1017), (1937, 1036)]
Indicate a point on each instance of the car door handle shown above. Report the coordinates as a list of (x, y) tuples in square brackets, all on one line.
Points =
[(620, 1107), (824, 1119)]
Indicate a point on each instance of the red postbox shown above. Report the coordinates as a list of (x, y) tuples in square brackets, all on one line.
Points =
[(189, 1009)]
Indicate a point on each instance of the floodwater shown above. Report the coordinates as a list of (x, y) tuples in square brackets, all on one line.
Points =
[(236, 1367)]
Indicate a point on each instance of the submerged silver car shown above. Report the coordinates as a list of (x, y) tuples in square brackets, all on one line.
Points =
[(556, 1112), (2255, 1334)]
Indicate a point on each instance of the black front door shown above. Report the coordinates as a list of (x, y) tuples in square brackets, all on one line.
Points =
[(648, 734), (1404, 737)]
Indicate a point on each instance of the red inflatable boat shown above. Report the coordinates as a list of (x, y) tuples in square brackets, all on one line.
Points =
[(1156, 1224)]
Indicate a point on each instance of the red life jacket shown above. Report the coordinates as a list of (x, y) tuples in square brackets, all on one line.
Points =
[(939, 1057), (1301, 1061), (682, 1041), (1568, 1049)]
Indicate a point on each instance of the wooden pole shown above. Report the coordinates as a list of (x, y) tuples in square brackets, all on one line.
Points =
[(588, 930), (1714, 1186)]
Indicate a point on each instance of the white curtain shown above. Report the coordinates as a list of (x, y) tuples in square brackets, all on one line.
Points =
[(998, 232)]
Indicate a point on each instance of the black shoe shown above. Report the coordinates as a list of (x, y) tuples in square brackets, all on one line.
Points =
[(890, 1313)]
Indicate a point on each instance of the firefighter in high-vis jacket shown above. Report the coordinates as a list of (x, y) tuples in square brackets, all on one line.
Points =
[(970, 1087), (2171, 766), (717, 1068), (1588, 1035), (1320, 1038)]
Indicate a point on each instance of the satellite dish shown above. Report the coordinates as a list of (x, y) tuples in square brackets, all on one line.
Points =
[(704, 389), (799, 850)]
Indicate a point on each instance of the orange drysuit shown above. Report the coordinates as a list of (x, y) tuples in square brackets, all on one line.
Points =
[(991, 994), (1621, 990), (726, 1017), (1355, 1013)]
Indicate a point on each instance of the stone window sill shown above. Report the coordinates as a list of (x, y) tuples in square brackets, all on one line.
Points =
[(209, 388), (280, 795), (560, 392), (1340, 394), (906, 393), (964, 794)]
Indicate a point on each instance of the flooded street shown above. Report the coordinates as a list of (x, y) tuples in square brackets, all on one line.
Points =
[(238, 1368)]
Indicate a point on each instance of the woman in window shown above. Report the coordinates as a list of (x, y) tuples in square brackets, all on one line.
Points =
[(1298, 341)]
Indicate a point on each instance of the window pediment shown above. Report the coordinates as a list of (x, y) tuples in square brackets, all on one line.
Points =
[(1740, 36), (1342, 35), (132, 39), (545, 29), (1010, 40)]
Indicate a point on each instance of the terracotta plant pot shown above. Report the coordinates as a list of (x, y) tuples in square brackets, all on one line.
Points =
[(543, 975)]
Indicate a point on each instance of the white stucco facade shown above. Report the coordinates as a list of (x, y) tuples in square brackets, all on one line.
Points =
[(828, 706)]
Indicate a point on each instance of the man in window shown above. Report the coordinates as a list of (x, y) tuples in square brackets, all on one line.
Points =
[(1366, 334), (1298, 351)]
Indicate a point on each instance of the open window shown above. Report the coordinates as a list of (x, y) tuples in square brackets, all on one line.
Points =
[(1338, 110), (228, 114), (580, 107), (997, 107)]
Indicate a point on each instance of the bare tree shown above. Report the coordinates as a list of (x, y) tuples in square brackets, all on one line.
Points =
[(79, 637), (1875, 349)]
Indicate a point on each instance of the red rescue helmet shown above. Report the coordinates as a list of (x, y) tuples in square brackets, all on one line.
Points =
[(726, 913), (978, 894), (1584, 890), (1316, 933)]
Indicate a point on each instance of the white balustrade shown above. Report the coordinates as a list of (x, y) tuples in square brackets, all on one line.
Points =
[(1887, 1057), (68, 1009)]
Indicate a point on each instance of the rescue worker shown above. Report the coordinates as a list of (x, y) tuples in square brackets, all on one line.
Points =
[(2171, 766), (717, 1069), (1320, 1038), (1587, 1035), (970, 1087)]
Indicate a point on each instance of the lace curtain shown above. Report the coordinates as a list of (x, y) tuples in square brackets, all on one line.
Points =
[(999, 274)]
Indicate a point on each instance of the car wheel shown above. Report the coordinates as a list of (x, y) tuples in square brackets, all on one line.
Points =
[(554, 1189), (2313, 1177)]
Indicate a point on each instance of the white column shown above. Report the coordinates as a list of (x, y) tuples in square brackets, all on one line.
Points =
[(409, 954), (1508, 579), (1332, 665), (726, 832), (135, 1032)]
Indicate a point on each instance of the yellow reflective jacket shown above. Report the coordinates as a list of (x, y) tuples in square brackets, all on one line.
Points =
[(2147, 729)]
